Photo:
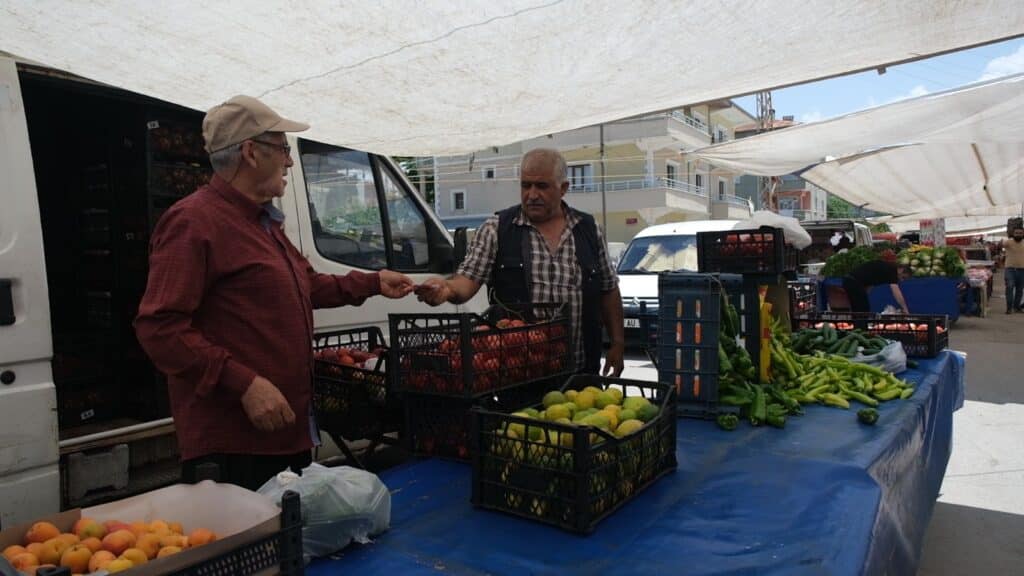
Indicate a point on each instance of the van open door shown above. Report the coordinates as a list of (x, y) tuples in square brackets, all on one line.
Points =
[(29, 471)]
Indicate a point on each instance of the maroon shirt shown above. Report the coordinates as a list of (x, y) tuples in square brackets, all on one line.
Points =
[(229, 298)]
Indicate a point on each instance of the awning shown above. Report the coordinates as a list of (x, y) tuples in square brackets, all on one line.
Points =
[(422, 78), (946, 154)]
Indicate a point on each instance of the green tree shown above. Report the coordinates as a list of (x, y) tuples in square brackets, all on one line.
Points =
[(839, 208), (412, 172)]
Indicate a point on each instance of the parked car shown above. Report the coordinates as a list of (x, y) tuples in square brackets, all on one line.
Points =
[(661, 248)]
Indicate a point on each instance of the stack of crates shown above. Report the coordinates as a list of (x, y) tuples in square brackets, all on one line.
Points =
[(689, 320)]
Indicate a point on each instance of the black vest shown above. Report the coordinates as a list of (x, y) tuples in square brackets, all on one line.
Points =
[(511, 282)]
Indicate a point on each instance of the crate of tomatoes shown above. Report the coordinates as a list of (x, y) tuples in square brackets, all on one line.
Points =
[(470, 355), (760, 251), (351, 397), (922, 335)]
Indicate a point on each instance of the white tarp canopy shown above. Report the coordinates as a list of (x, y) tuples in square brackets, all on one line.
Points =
[(453, 76), (955, 153)]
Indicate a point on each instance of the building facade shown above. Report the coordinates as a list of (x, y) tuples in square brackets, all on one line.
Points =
[(644, 171)]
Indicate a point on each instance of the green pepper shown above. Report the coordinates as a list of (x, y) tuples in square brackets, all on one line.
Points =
[(735, 400), (778, 421), (906, 393), (759, 408), (868, 416), (727, 421), (911, 363), (889, 394), (835, 400), (724, 366), (862, 398)]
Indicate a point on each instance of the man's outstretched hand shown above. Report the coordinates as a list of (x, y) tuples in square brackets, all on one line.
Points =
[(395, 284)]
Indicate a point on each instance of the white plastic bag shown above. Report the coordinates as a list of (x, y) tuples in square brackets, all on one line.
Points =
[(892, 358), (795, 233), (339, 505)]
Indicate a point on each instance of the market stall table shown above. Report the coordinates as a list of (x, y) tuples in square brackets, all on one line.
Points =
[(826, 495)]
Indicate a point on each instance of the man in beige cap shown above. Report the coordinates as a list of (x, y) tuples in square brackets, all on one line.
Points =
[(228, 308)]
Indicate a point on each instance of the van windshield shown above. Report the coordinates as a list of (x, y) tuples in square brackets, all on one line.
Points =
[(653, 254)]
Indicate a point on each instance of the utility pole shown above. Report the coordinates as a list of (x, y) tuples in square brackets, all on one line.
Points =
[(604, 206), (766, 122)]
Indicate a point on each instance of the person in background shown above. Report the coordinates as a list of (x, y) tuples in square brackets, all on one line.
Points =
[(860, 280), (1013, 271), (541, 250), (228, 310)]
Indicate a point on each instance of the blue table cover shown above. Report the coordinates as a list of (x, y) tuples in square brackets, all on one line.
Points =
[(931, 295), (826, 495)]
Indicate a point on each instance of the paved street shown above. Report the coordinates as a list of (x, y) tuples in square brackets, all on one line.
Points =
[(978, 523)]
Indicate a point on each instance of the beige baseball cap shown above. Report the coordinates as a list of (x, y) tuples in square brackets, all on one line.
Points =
[(242, 118)]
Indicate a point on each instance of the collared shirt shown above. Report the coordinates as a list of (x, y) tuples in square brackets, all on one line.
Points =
[(554, 276), (1014, 253), (229, 298)]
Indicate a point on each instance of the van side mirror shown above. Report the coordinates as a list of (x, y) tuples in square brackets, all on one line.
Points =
[(461, 245)]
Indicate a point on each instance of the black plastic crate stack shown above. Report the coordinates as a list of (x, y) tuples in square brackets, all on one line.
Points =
[(760, 251), (571, 476), (444, 364), (351, 395), (922, 335)]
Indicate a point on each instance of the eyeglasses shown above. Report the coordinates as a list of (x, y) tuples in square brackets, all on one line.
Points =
[(287, 149)]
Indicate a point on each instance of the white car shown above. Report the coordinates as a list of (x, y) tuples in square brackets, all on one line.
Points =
[(660, 248)]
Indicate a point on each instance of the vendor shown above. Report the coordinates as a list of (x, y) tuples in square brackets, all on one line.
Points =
[(875, 273), (1014, 272)]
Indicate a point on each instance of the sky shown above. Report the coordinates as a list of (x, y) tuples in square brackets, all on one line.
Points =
[(838, 96)]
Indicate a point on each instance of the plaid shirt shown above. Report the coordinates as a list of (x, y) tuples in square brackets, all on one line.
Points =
[(554, 276)]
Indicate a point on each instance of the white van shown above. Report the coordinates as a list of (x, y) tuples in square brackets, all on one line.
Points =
[(86, 171), (660, 248)]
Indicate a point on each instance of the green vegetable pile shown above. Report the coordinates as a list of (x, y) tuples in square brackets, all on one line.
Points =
[(841, 264), (801, 379), (938, 261), (826, 339)]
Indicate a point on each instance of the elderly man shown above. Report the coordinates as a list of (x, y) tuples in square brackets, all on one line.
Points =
[(1014, 271), (228, 308), (544, 251)]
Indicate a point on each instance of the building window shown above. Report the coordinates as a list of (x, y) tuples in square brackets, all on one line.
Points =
[(671, 171), (458, 200), (488, 172), (698, 181), (581, 178)]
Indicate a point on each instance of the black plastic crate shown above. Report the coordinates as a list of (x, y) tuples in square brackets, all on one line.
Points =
[(922, 335), (571, 476), (469, 355), (440, 426), (803, 297), (350, 393), (751, 251), (691, 306)]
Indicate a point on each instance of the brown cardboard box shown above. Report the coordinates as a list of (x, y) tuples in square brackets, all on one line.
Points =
[(238, 517)]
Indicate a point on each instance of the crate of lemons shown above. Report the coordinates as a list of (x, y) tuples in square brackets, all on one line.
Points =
[(575, 457)]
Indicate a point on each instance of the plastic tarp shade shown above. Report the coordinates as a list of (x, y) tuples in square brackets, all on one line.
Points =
[(454, 76), (826, 495), (949, 154)]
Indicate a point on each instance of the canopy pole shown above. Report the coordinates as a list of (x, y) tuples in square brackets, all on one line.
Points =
[(984, 173), (604, 206)]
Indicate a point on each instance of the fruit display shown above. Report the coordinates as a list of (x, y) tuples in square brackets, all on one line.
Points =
[(937, 261), (755, 251), (102, 547), (173, 140), (579, 454), (350, 392), (469, 355)]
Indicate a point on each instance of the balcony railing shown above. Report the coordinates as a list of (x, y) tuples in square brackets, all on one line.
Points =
[(620, 185), (734, 201), (692, 122)]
